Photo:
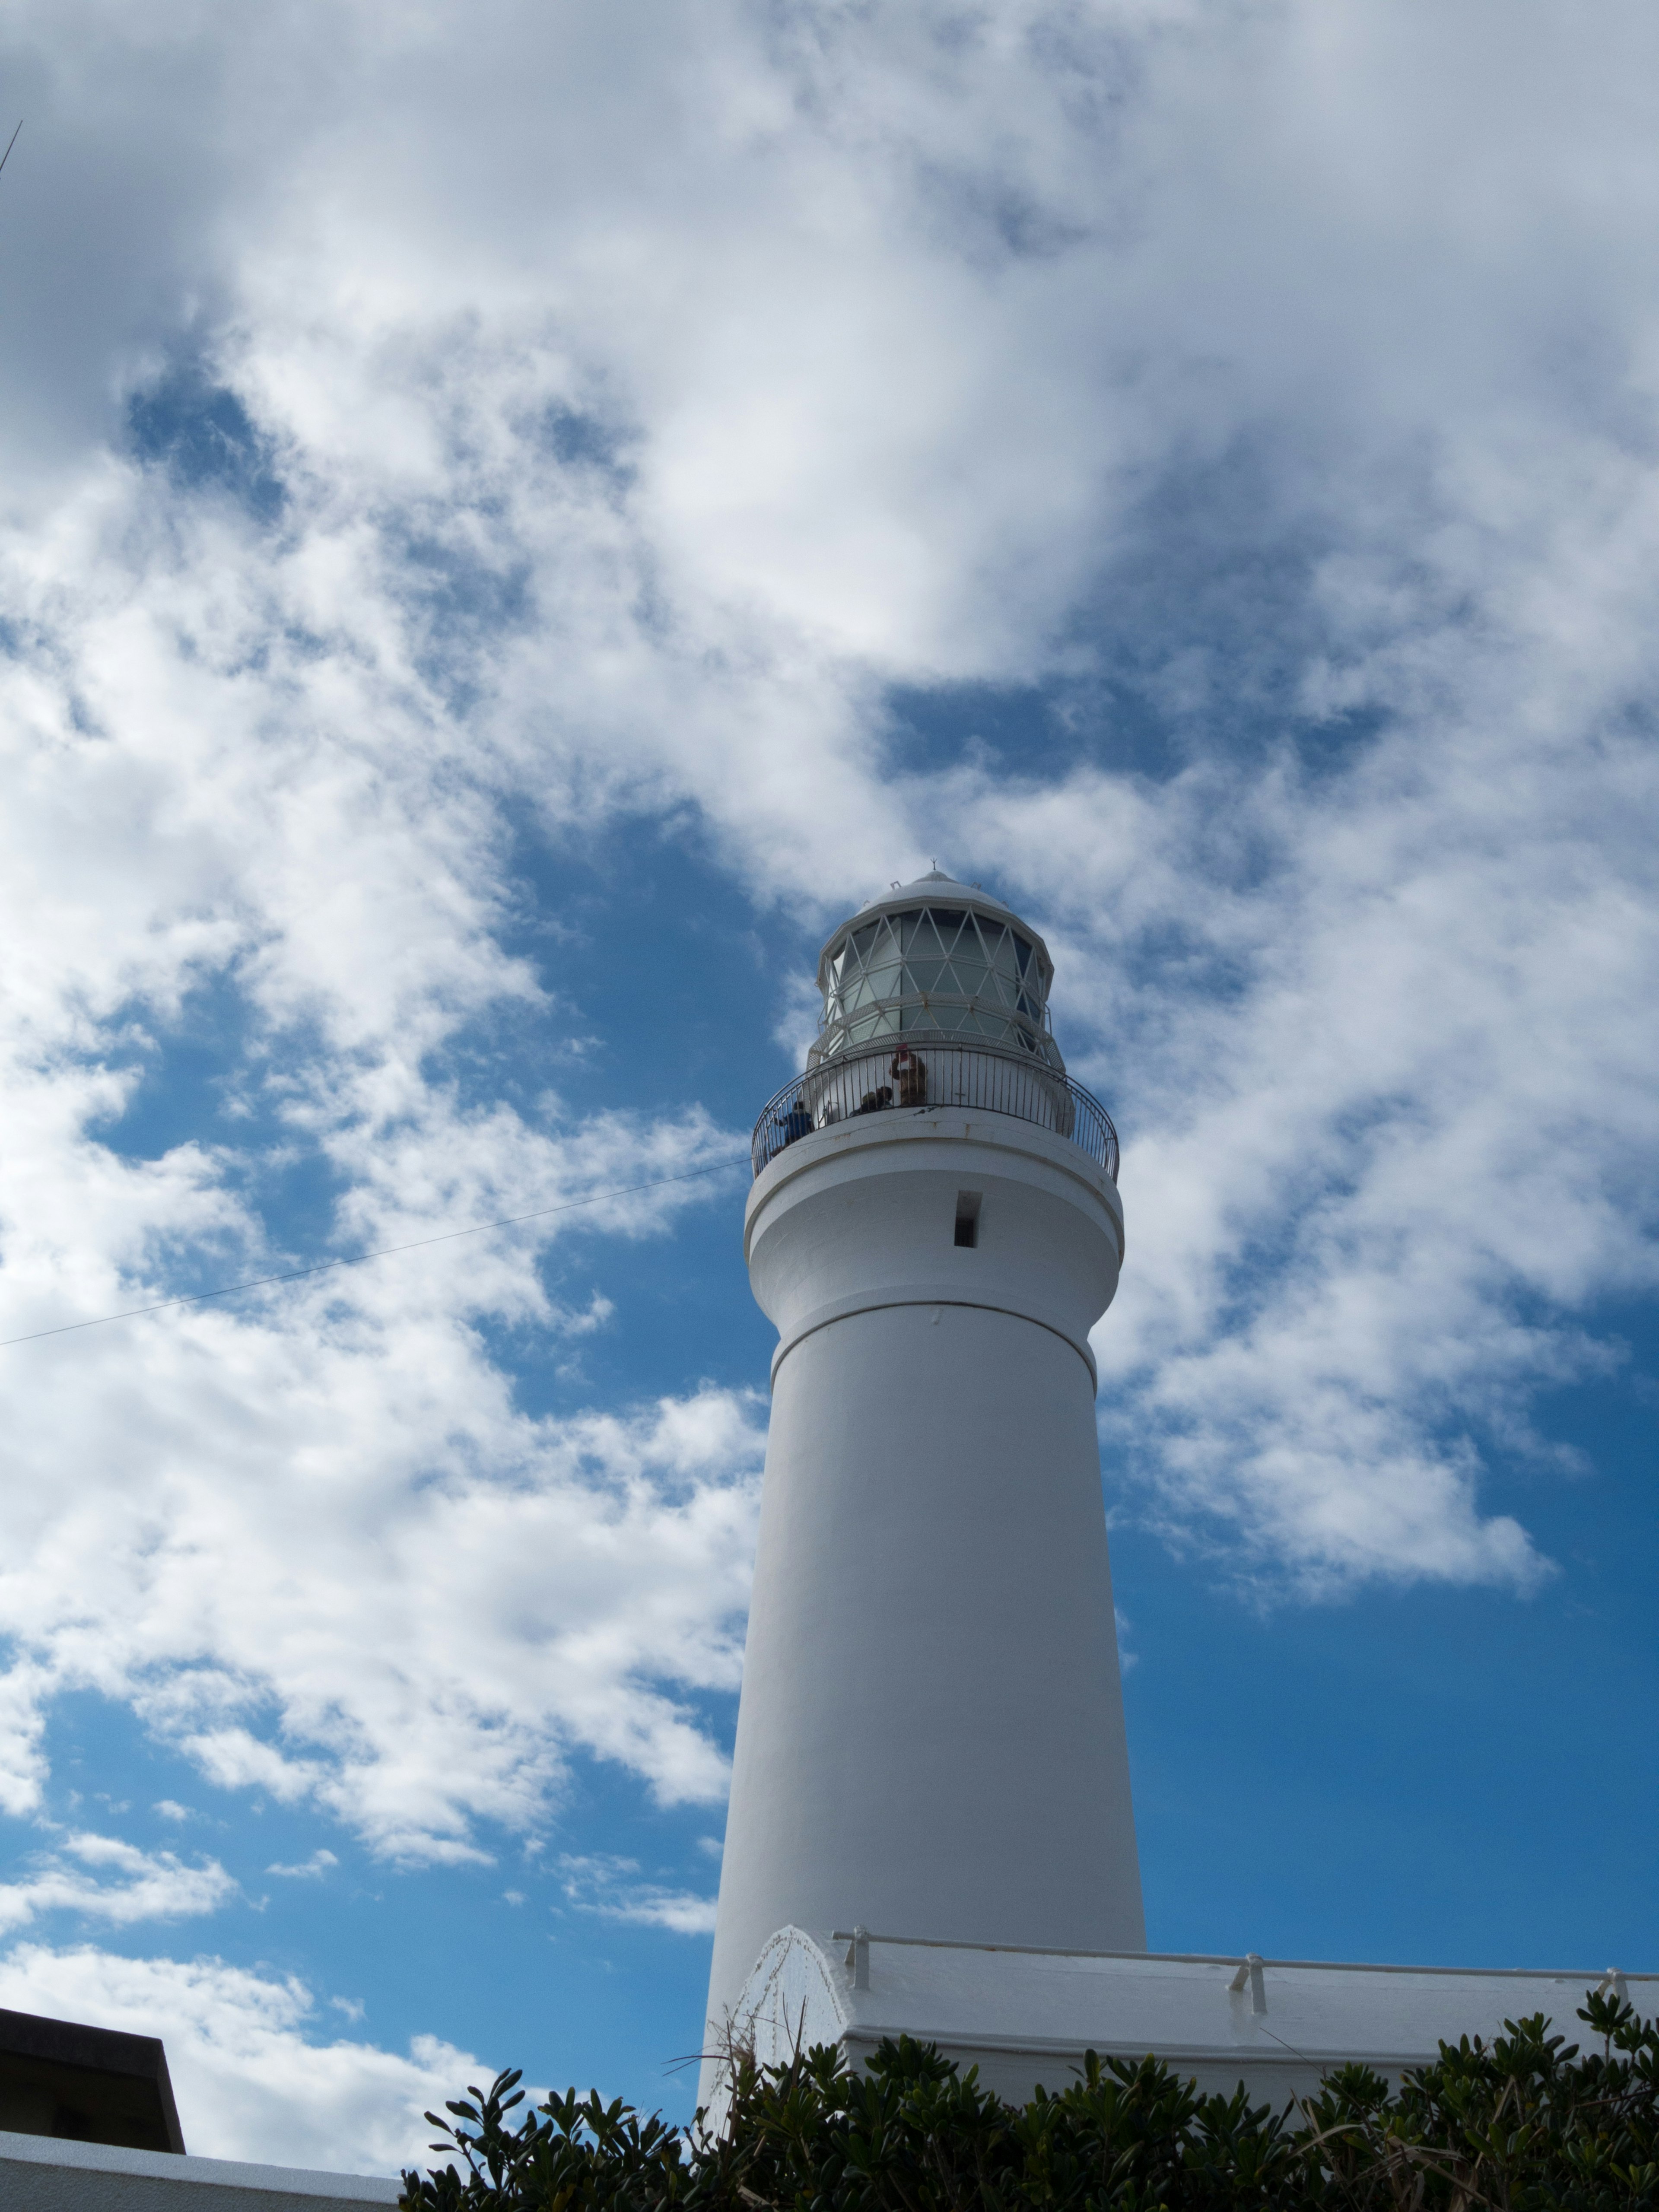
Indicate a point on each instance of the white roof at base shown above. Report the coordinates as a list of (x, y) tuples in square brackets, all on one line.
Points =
[(43, 2174), (1028, 2016)]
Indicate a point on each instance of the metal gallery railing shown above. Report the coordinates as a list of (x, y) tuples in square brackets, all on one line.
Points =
[(901, 1075)]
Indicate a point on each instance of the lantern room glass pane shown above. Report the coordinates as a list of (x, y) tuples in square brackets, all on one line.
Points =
[(970, 962), (952, 970)]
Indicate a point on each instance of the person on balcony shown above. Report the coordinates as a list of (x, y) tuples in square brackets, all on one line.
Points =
[(909, 1074), (797, 1122)]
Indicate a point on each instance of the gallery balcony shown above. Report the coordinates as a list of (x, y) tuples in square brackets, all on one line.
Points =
[(918, 1072)]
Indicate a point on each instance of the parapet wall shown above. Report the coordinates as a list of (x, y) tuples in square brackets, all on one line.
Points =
[(1025, 2017), (42, 2173)]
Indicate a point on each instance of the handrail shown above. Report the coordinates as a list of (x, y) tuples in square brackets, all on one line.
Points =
[(919, 1073)]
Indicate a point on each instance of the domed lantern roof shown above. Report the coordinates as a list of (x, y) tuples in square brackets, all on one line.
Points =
[(938, 959)]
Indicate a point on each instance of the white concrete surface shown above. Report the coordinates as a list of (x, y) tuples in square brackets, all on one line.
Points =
[(930, 1731), (1027, 2017), (38, 2174)]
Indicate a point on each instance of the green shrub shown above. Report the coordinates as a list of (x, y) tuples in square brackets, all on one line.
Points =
[(1526, 2123)]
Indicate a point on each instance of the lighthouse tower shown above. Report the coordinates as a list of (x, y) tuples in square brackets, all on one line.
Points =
[(930, 1742)]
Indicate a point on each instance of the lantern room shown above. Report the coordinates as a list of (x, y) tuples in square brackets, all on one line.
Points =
[(935, 958)]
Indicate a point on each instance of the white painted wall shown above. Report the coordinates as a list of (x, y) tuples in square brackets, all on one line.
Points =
[(38, 2173), (1026, 2018), (931, 1733)]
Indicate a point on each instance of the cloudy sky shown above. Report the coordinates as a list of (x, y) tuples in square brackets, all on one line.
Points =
[(514, 519)]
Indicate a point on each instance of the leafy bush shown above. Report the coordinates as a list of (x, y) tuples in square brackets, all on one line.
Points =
[(1526, 2124)]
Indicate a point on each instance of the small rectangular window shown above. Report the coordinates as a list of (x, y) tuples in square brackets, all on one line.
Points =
[(967, 1219)]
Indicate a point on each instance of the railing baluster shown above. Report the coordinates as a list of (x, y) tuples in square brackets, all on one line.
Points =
[(981, 1077)]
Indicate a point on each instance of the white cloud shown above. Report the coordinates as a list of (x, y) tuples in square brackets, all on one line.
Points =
[(610, 1887), (412, 1637), (1370, 1190), (626, 463), (311, 1869), (249, 2082), (101, 1878)]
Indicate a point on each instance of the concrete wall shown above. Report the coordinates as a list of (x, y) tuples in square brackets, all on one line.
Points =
[(1027, 2017), (38, 2174), (931, 1733)]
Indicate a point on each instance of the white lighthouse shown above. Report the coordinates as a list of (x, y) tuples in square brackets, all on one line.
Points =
[(931, 1735), (930, 1831)]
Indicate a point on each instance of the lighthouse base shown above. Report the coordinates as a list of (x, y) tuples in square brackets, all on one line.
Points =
[(1026, 2017)]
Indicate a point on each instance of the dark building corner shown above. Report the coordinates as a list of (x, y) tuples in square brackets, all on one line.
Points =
[(85, 2084)]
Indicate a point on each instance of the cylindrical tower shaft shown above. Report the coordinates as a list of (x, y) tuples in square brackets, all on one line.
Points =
[(931, 1735)]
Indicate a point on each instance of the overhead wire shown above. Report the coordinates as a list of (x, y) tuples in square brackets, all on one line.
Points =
[(382, 1252)]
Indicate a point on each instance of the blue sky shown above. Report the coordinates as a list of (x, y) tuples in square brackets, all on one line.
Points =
[(506, 538)]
